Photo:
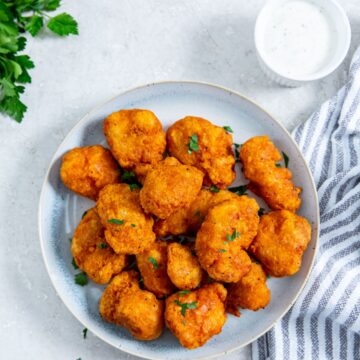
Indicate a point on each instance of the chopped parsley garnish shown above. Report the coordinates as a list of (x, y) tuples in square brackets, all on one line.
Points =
[(116, 221), (228, 129), (286, 159), (127, 176), (74, 264), (222, 250), (261, 212), (85, 333), (154, 262), (81, 279), (134, 186), (237, 152), (233, 235), (239, 190), (102, 246), (193, 144), (83, 215), (278, 165), (214, 189), (186, 306), (184, 292), (133, 225)]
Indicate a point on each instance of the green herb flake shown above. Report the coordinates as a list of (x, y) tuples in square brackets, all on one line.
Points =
[(81, 279), (239, 190), (261, 212), (278, 165), (228, 129), (184, 292), (286, 159), (193, 144), (85, 332), (102, 246), (116, 221), (221, 250), (154, 262), (74, 264), (214, 189), (186, 306), (133, 225), (134, 186), (233, 235), (128, 176)]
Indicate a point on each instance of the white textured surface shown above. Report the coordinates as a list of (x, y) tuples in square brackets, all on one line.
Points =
[(121, 44)]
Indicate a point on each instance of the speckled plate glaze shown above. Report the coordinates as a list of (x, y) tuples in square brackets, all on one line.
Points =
[(60, 211)]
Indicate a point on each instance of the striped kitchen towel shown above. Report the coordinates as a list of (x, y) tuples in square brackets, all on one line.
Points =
[(324, 323)]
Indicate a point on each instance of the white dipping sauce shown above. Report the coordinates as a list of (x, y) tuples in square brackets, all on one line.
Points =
[(299, 39)]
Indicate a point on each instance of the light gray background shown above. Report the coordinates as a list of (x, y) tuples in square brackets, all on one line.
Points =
[(122, 44)]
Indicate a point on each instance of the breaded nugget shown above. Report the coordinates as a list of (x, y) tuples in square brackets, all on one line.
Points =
[(227, 231), (188, 220), (169, 187), (196, 316), (152, 264), (86, 170), (197, 142), (259, 156), (251, 292), (125, 304), (183, 267), (91, 252), (136, 139), (128, 228), (281, 241)]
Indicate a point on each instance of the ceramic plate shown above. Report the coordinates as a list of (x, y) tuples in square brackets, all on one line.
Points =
[(60, 211)]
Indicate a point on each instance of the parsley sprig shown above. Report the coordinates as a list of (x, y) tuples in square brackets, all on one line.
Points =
[(16, 18), (154, 262), (239, 190), (186, 306), (193, 144)]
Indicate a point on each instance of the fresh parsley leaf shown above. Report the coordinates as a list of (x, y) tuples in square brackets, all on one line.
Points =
[(128, 175), (133, 225), (193, 144), (228, 129), (239, 190), (63, 25), (51, 5), (34, 25), (233, 235), (13, 107), (186, 306), (261, 212), (286, 159), (184, 292), (74, 264), (102, 246), (134, 186), (81, 279), (221, 250), (154, 262), (116, 221), (85, 330), (214, 189)]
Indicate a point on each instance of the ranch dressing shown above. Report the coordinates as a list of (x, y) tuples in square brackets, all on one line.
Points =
[(299, 39)]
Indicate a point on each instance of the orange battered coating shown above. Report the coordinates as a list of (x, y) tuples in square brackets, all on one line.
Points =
[(91, 252), (214, 157), (281, 241), (250, 292), (227, 231), (188, 220), (86, 170), (125, 304), (183, 267), (204, 314), (170, 186), (259, 156), (128, 228), (136, 139), (152, 264)]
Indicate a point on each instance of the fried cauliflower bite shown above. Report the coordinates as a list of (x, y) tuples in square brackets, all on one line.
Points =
[(226, 233), (183, 267), (214, 156), (251, 292), (91, 252), (170, 186), (281, 241), (125, 304), (259, 156), (86, 170), (136, 139), (196, 316), (152, 264), (128, 230), (188, 220)]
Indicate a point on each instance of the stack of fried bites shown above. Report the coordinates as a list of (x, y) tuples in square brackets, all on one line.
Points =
[(139, 237)]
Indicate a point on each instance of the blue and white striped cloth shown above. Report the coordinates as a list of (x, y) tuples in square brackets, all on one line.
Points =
[(324, 323)]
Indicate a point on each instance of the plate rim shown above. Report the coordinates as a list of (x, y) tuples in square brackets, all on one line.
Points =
[(178, 82)]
